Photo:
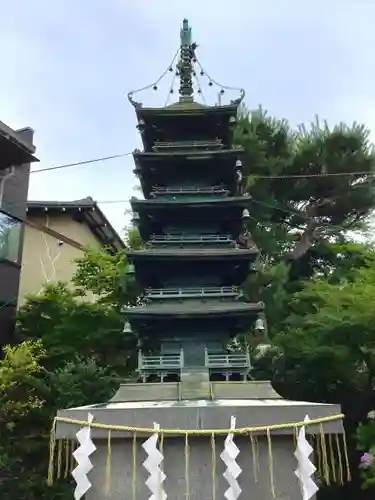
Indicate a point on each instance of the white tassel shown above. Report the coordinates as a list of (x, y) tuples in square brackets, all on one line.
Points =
[(305, 467), (152, 465), (82, 456), (233, 470)]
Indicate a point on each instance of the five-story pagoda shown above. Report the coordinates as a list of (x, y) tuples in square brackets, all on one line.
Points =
[(197, 252), (197, 248)]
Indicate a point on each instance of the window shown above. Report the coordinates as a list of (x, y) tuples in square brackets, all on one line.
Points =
[(10, 237)]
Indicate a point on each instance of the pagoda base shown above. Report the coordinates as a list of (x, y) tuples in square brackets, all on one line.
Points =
[(254, 404)]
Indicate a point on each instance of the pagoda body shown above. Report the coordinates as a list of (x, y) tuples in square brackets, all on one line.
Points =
[(193, 221)]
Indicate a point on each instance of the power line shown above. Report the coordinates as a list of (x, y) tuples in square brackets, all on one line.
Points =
[(86, 162), (254, 176)]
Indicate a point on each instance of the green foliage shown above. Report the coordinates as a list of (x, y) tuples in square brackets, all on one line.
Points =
[(329, 334), (44, 373), (100, 273), (24, 450), (18, 370), (366, 443), (133, 239), (291, 214), (68, 325)]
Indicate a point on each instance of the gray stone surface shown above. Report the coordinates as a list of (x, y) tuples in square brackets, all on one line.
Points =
[(200, 478), (200, 414), (171, 391)]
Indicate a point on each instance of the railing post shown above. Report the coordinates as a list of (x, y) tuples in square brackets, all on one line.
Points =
[(140, 358), (182, 360), (247, 350)]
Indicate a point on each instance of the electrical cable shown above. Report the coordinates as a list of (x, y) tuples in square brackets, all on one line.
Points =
[(253, 176), (85, 162)]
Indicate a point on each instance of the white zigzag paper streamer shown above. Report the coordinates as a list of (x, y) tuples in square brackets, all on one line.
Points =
[(305, 467), (82, 456), (152, 465), (233, 470)]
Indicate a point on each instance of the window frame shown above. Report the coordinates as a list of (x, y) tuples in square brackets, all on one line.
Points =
[(17, 261)]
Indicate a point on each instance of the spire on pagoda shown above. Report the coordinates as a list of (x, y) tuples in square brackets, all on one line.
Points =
[(188, 78), (185, 64)]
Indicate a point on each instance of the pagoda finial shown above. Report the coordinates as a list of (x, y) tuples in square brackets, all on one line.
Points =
[(185, 64), (185, 33)]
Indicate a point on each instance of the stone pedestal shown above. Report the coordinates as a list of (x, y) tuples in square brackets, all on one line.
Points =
[(252, 403)]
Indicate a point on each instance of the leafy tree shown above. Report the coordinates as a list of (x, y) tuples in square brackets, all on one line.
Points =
[(290, 215), (19, 370), (101, 273), (329, 336), (133, 239), (84, 356)]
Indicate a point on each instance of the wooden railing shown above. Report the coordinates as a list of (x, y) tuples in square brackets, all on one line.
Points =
[(192, 292), (191, 238), (162, 362), (175, 362), (161, 190), (176, 145), (238, 360)]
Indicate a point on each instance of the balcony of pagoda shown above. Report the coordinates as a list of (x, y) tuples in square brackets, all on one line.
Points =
[(188, 146), (220, 365), (167, 168), (199, 214), (161, 366), (171, 193), (191, 240), (228, 364), (183, 293)]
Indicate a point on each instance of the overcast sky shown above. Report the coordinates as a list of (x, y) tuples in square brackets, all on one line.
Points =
[(67, 65)]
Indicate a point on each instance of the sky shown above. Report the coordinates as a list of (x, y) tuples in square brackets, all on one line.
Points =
[(67, 66)]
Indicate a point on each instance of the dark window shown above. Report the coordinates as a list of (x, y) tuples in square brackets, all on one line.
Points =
[(10, 237)]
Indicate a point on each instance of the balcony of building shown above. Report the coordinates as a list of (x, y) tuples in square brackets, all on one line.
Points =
[(168, 193), (182, 293), (195, 240), (201, 145)]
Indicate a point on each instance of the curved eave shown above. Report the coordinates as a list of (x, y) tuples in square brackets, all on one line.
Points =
[(190, 310), (173, 110), (155, 204), (192, 254)]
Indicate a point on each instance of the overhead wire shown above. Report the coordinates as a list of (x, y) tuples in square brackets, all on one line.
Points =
[(253, 176)]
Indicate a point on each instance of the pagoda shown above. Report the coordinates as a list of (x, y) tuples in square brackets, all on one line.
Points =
[(170, 434), (197, 251)]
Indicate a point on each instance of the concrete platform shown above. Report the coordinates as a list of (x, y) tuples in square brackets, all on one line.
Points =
[(252, 403)]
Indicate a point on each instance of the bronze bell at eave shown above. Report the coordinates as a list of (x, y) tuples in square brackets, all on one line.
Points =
[(130, 271), (127, 328)]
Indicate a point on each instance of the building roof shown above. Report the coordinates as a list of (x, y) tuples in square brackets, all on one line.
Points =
[(14, 150), (86, 210)]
